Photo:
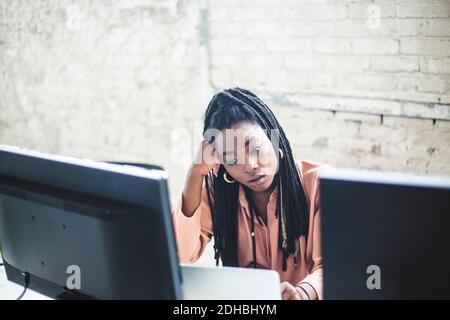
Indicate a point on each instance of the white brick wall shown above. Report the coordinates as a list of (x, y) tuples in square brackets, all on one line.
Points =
[(113, 85), (355, 140), (392, 50), (360, 83), (117, 81)]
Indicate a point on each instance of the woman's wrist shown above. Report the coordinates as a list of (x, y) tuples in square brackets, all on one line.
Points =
[(192, 192), (302, 293), (198, 170)]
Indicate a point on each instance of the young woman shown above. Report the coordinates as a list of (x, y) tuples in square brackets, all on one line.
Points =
[(260, 205)]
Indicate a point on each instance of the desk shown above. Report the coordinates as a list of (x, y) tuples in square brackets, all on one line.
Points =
[(10, 291), (198, 284)]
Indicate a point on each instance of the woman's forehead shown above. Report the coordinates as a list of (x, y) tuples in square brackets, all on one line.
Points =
[(238, 135)]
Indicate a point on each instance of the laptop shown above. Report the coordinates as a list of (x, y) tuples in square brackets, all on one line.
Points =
[(229, 283)]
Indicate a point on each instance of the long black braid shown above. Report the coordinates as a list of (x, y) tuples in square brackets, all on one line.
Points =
[(225, 109)]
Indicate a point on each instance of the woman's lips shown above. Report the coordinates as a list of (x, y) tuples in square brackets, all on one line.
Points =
[(257, 180)]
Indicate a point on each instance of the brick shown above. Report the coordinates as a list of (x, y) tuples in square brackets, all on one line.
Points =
[(375, 46), (247, 13), (236, 3), (357, 28), (394, 63), (320, 80), (282, 80), (433, 84), (243, 44), (374, 82), (310, 28), (263, 29), (346, 63), (226, 60), (226, 28), (293, 80), (262, 61), (351, 145), (444, 124), (304, 62), (360, 118), (380, 133), (289, 45), (250, 77), (435, 65), (425, 46), (436, 28), (315, 12), (408, 27), (340, 160), (385, 9), (423, 83), (423, 9), (331, 45), (409, 123), (297, 112), (372, 106), (433, 111)]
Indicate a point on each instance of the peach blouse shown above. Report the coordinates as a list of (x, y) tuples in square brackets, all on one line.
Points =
[(193, 234)]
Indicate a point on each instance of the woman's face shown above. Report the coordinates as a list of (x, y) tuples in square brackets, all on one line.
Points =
[(248, 155)]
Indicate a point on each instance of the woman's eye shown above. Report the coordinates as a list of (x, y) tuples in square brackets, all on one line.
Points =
[(257, 148)]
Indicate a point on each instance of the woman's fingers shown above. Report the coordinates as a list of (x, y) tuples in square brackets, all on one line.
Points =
[(288, 292), (206, 160), (216, 158), (209, 154)]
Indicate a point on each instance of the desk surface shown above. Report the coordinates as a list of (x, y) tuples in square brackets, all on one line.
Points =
[(10, 291)]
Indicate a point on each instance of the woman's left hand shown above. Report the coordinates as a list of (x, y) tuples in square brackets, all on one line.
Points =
[(289, 292)]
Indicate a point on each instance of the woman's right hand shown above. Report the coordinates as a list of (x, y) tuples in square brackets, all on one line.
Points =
[(206, 159)]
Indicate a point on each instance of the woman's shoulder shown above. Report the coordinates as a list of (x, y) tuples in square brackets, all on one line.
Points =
[(310, 169)]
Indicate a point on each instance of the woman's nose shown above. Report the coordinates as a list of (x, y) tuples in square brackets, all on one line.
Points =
[(252, 164)]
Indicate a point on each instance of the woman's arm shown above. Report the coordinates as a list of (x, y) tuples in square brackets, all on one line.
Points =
[(192, 214), (312, 284), (194, 231), (204, 162), (192, 192)]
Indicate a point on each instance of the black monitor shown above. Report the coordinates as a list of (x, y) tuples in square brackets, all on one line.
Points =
[(385, 235), (85, 229)]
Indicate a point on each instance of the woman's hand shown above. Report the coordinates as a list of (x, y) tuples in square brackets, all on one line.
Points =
[(205, 160), (289, 292)]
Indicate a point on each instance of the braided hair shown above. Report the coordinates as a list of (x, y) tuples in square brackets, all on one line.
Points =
[(229, 107)]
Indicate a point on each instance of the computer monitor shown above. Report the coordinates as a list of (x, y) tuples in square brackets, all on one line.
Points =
[(85, 229), (385, 235)]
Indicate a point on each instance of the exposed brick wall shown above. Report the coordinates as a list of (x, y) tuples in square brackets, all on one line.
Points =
[(89, 79), (368, 141), (390, 50), (103, 81), (361, 84)]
